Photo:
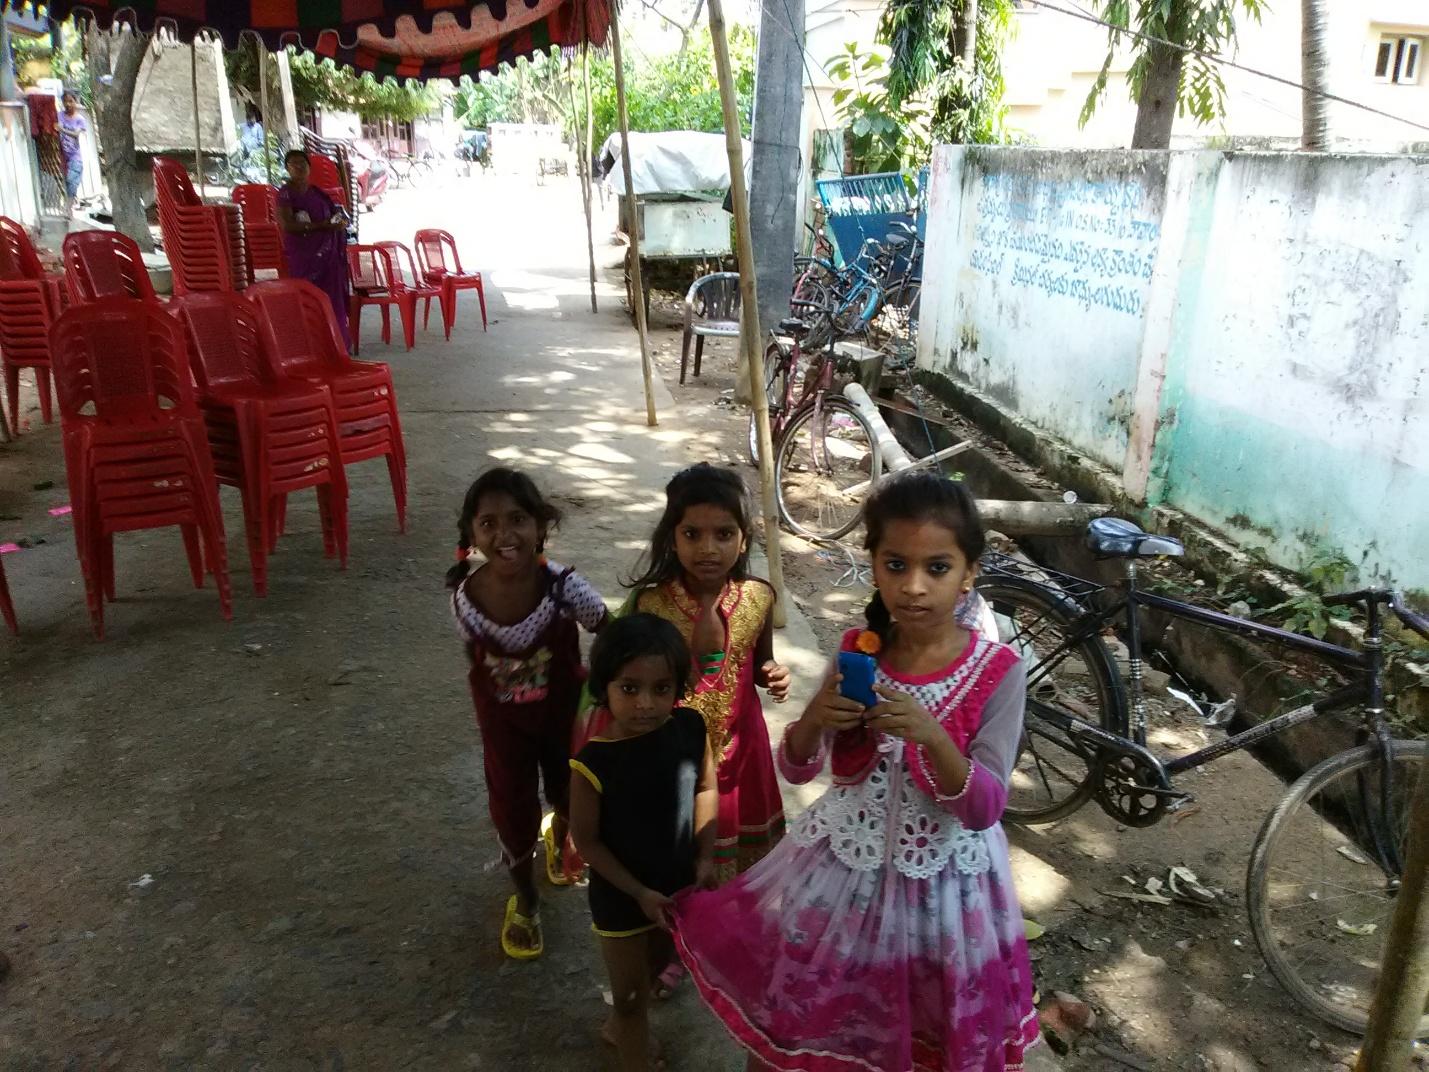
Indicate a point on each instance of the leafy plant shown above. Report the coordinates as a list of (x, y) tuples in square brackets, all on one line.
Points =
[(1326, 573), (1205, 26), (883, 136)]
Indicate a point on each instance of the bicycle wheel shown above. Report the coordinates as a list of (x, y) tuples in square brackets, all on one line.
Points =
[(777, 362), (823, 469), (1070, 671), (1319, 891)]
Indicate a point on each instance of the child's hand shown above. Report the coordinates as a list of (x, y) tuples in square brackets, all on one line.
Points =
[(900, 715), (834, 711), (656, 907), (776, 680), (705, 877)]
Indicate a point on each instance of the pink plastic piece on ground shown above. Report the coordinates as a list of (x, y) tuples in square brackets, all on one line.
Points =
[(8, 548), (60, 511)]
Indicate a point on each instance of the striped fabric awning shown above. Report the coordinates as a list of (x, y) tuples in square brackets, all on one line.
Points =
[(419, 39)]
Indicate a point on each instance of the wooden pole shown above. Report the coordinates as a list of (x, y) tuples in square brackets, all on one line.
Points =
[(1403, 989), (749, 333), (198, 136), (586, 172), (290, 108), (633, 220), (263, 104)]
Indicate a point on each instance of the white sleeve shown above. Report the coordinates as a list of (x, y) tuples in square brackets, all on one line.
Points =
[(585, 602)]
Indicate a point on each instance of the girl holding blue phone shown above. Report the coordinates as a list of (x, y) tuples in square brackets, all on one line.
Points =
[(884, 931)]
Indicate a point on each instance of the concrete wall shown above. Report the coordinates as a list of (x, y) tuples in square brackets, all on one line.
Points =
[(1240, 337)]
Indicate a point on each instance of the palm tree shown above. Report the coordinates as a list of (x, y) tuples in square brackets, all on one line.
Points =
[(1314, 77)]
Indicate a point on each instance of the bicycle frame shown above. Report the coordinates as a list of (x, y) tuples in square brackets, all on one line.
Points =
[(1365, 692)]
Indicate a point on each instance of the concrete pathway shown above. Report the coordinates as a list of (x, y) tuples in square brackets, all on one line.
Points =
[(263, 845)]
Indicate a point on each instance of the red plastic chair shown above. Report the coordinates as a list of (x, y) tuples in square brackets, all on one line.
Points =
[(270, 435), (441, 270), (305, 342), (204, 243), (7, 606), (136, 451), (259, 202), (105, 264), (406, 278), (29, 303), (375, 281)]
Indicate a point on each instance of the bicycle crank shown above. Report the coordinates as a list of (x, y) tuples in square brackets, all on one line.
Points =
[(1134, 789)]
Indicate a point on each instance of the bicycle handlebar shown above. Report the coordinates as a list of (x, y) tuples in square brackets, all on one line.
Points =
[(1382, 597)]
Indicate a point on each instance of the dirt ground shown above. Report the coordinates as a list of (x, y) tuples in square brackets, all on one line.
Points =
[(263, 844)]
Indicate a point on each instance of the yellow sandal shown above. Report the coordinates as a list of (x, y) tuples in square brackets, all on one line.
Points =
[(555, 859), (530, 924)]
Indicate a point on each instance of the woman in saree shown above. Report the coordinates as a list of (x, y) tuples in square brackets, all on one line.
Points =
[(314, 236)]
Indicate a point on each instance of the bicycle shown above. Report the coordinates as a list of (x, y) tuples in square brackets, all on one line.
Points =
[(823, 446), (1315, 920)]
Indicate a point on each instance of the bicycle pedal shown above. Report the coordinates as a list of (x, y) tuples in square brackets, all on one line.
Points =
[(1179, 801)]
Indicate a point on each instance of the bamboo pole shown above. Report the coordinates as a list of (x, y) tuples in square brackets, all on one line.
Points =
[(634, 253), (1399, 1000), (586, 172), (263, 104), (198, 135), (749, 333)]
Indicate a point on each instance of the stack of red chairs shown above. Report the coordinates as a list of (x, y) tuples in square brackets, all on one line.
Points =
[(441, 267), (204, 243), (30, 302), (105, 264), (270, 435), (136, 451), (303, 337), (259, 203), (7, 608), (327, 176)]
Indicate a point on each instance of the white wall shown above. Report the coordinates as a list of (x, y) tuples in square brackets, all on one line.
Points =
[(1240, 337)]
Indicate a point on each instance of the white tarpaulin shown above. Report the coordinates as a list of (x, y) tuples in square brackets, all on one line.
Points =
[(671, 162)]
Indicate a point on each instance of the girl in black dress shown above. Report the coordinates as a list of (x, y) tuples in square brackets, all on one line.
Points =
[(643, 812)]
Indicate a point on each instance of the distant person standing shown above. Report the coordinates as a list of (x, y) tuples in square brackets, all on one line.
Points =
[(72, 125)]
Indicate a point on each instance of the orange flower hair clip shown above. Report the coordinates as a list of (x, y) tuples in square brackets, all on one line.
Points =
[(868, 642)]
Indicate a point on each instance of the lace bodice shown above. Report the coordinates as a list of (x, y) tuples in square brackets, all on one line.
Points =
[(893, 814)]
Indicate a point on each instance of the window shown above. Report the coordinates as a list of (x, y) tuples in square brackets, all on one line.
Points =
[(1397, 60)]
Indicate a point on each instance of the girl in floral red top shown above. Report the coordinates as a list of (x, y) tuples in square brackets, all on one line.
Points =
[(884, 933)]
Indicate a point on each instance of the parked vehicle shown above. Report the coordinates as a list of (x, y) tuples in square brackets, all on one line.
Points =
[(369, 170)]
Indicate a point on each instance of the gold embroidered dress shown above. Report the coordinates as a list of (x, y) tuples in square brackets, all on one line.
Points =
[(722, 690)]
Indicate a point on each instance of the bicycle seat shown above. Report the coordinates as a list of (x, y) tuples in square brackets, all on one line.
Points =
[(895, 242), (792, 325), (1114, 537)]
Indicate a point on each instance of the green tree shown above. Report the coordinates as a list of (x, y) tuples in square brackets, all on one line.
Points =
[(677, 91), (1166, 80), (950, 51), (529, 91)]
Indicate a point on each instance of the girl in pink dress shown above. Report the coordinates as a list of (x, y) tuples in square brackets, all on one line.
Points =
[(883, 934)]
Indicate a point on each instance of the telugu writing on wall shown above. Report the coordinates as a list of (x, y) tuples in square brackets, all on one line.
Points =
[(1088, 242)]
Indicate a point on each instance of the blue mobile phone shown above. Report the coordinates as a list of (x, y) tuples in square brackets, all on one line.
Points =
[(858, 670)]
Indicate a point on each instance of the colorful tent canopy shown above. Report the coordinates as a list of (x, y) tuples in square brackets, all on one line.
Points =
[(404, 38)]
